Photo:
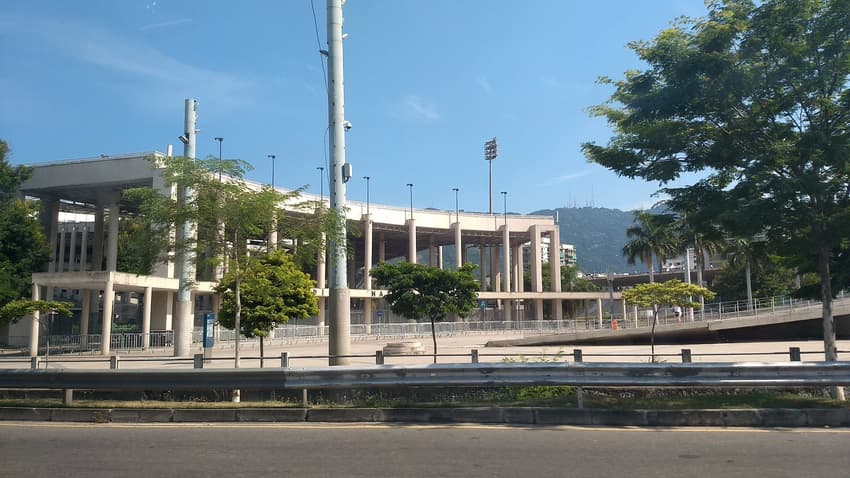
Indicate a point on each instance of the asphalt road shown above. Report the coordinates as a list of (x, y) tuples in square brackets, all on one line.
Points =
[(354, 450)]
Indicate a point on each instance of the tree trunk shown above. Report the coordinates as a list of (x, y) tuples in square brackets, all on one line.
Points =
[(434, 338), (652, 332), (749, 274), (830, 350)]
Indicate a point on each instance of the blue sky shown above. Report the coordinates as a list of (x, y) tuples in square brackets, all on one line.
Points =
[(426, 83)]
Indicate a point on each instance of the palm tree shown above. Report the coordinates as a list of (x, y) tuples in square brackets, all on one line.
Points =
[(741, 250), (651, 235)]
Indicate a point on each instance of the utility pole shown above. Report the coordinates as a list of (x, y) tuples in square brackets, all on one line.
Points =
[(339, 328), (272, 157), (185, 316)]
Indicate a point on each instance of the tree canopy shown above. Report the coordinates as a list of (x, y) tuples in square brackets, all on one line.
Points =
[(416, 291), (273, 290), (671, 293), (756, 98), (23, 249)]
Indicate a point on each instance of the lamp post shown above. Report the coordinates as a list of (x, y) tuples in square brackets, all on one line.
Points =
[(321, 183), (219, 139), (272, 157), (457, 211), (367, 178), (505, 198), (410, 186)]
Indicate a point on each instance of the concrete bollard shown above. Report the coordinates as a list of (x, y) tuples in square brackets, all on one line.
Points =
[(284, 359), (795, 354), (379, 357), (113, 362), (69, 397), (34, 362), (686, 355), (199, 360), (474, 355)]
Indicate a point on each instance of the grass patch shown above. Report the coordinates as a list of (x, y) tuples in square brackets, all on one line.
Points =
[(537, 396)]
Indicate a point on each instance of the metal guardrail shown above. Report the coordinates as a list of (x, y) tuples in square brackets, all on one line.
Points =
[(456, 375)]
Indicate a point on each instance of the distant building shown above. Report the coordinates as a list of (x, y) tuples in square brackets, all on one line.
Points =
[(676, 264), (567, 252)]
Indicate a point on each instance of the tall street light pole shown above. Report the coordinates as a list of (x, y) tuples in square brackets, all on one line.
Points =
[(272, 157), (219, 139), (367, 178), (339, 340), (410, 186), (457, 211), (505, 198)]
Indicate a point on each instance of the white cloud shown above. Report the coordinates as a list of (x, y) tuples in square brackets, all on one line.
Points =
[(415, 106), (568, 177), (485, 85), (154, 76), (170, 23)]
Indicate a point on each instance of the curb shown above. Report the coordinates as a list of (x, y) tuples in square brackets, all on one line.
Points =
[(765, 417)]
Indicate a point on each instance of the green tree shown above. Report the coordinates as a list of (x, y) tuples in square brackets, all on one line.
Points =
[(650, 236), (671, 293), (13, 311), (273, 291), (416, 291), (756, 97), (227, 213), (23, 249), (769, 277)]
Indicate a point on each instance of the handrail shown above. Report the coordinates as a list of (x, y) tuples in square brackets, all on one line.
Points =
[(441, 375)]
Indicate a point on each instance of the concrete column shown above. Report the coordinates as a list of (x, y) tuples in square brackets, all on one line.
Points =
[(60, 265), (495, 275), (367, 315), (166, 268), (555, 270), (106, 330), (506, 259), (97, 249), (367, 250), (440, 257), (599, 311), (169, 311), (482, 267), (84, 248), (506, 270), (85, 313), (112, 242), (635, 315), (432, 252), (536, 269), (517, 272), (34, 322), (51, 223), (382, 249), (72, 250), (459, 252), (146, 318), (411, 241)]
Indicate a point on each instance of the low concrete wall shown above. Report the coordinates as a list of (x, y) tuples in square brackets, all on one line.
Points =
[(778, 417)]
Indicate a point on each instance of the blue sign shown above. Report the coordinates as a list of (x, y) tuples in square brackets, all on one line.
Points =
[(209, 330), (380, 314)]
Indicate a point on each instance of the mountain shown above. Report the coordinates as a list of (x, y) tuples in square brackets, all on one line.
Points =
[(598, 235)]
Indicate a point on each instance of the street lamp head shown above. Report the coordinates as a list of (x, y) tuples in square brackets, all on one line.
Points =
[(218, 138), (410, 185), (271, 156)]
